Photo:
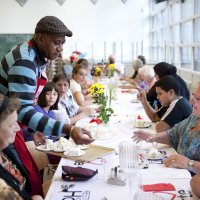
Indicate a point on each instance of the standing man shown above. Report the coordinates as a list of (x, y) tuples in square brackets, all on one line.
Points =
[(22, 73)]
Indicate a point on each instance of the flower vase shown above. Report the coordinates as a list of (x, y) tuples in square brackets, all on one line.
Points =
[(103, 130)]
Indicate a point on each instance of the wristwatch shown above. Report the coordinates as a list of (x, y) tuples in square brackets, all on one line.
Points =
[(190, 165)]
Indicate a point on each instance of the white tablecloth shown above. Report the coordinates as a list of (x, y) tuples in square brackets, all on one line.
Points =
[(121, 128)]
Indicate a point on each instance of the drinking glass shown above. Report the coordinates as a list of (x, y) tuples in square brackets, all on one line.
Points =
[(129, 163), (128, 156)]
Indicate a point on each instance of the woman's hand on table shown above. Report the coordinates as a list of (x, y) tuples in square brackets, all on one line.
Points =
[(142, 135), (176, 160), (81, 136)]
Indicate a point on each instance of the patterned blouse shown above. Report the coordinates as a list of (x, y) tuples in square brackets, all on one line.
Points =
[(7, 192), (68, 103), (184, 140)]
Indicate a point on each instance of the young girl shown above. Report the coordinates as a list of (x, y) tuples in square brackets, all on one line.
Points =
[(47, 103), (78, 78)]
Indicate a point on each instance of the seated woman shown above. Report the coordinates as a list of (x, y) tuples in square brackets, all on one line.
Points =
[(137, 64), (88, 79), (67, 102), (161, 70), (174, 108), (183, 137), (17, 181), (78, 77), (147, 78)]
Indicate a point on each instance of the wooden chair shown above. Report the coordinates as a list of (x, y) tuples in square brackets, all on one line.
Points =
[(42, 163)]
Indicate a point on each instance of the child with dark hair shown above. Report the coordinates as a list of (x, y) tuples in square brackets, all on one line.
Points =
[(47, 103), (161, 70), (174, 107)]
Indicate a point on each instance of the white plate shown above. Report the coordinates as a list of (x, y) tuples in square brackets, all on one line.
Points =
[(134, 101), (43, 148), (59, 150), (160, 157), (146, 125), (67, 153)]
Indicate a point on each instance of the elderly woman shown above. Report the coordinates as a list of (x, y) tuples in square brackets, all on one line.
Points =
[(184, 137), (78, 78), (146, 75), (137, 64), (15, 181)]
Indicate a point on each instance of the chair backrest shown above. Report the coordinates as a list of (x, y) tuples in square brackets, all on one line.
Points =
[(39, 157)]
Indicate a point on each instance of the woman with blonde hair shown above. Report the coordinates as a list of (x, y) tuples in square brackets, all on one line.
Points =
[(78, 78)]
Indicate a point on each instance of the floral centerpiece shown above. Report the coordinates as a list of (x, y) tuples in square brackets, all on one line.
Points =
[(111, 71), (101, 98), (97, 71)]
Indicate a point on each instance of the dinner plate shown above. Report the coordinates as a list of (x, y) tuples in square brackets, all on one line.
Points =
[(70, 154), (43, 148), (146, 125), (160, 157), (134, 101)]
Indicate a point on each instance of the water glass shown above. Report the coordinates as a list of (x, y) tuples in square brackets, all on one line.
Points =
[(128, 156)]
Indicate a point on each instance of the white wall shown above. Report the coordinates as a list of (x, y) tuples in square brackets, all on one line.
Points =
[(92, 25)]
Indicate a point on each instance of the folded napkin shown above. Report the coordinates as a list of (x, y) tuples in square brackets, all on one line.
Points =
[(97, 120), (159, 187)]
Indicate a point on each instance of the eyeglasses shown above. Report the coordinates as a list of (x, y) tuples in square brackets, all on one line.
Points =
[(195, 97)]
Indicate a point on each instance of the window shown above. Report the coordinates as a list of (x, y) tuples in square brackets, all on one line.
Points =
[(175, 37)]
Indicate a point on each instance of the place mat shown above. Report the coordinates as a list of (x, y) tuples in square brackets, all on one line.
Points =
[(93, 152)]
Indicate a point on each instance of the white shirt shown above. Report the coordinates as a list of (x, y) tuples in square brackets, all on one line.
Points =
[(75, 87)]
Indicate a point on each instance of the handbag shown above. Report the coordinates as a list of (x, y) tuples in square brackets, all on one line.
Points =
[(77, 173)]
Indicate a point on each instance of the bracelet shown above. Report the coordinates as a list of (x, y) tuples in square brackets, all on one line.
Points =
[(71, 129)]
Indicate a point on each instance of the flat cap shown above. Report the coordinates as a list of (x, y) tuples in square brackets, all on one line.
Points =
[(52, 26)]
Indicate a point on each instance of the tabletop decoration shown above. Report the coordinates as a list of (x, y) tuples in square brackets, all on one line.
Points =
[(97, 71), (101, 98), (111, 71)]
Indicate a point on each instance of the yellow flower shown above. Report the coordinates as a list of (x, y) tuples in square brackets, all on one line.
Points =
[(97, 71), (111, 66), (97, 89)]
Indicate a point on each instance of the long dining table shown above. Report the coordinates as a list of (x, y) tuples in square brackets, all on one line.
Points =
[(121, 127)]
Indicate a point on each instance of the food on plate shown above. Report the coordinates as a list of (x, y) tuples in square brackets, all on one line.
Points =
[(154, 153), (49, 144), (139, 122), (74, 151)]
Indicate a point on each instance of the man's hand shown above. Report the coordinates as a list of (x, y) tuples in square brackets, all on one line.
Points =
[(39, 138), (142, 135), (176, 160), (81, 136)]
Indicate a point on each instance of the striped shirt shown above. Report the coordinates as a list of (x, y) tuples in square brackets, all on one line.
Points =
[(19, 70)]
